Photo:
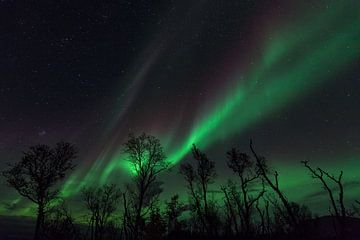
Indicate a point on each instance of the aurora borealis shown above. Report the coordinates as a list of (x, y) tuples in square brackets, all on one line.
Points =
[(285, 74)]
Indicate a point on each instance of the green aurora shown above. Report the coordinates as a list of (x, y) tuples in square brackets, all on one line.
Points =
[(294, 60), (276, 80)]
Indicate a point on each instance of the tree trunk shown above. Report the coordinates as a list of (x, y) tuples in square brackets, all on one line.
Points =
[(138, 216), (39, 222), (125, 226), (206, 213), (246, 207)]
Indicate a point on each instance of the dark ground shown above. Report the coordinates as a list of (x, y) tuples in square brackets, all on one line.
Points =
[(21, 228)]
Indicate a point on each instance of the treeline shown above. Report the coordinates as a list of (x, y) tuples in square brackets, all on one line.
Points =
[(252, 206)]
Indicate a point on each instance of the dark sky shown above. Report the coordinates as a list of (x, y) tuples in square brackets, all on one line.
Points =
[(210, 72)]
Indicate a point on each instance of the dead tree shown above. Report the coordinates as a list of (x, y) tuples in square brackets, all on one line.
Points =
[(274, 185), (198, 181), (339, 209), (35, 176), (148, 160), (242, 165), (102, 203)]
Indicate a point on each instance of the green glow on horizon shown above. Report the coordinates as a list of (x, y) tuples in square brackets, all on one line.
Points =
[(295, 60), (28, 210), (294, 179)]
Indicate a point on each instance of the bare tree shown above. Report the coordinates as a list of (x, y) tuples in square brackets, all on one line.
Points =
[(198, 181), (274, 185), (102, 203), (338, 209), (242, 165), (148, 160), (36, 175)]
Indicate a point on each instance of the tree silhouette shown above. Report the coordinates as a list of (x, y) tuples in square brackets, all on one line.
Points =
[(102, 203), (242, 165), (264, 228), (155, 229), (248, 212), (174, 209), (274, 185), (231, 217), (338, 210), (148, 160), (198, 181), (35, 176), (59, 224), (320, 174)]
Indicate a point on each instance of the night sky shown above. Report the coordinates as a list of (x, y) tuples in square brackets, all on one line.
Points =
[(211, 72)]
